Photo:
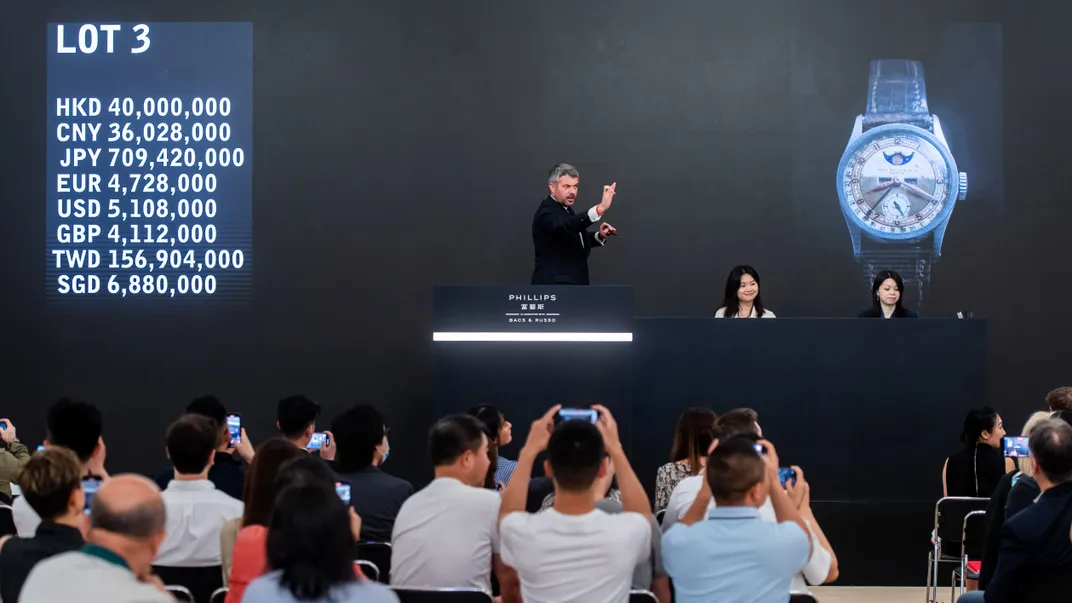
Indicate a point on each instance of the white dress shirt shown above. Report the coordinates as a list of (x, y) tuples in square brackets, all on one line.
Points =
[(196, 511), (688, 489)]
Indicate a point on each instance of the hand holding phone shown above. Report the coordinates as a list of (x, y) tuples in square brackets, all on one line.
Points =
[(318, 441), (788, 476), (343, 490), (234, 428), (90, 486)]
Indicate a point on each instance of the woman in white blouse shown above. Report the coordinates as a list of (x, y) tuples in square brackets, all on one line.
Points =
[(742, 298)]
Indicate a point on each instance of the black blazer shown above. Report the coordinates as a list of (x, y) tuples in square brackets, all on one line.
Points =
[(1035, 558), (562, 243), (873, 313)]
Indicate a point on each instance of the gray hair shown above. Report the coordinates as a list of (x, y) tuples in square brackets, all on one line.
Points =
[(560, 170), (142, 521)]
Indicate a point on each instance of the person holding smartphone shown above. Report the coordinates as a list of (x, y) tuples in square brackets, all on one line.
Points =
[(13, 456)]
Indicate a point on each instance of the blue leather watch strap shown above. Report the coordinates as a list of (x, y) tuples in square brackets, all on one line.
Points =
[(897, 93)]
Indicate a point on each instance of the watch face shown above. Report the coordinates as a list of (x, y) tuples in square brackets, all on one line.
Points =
[(897, 182)]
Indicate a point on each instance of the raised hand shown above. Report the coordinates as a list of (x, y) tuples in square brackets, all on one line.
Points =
[(8, 434), (608, 428), (540, 433), (606, 230), (608, 197)]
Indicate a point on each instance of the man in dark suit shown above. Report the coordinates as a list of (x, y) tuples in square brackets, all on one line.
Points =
[(560, 235), (1035, 558)]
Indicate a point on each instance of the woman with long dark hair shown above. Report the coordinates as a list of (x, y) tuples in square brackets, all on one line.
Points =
[(500, 433), (311, 540), (976, 469), (742, 299), (887, 294), (693, 436)]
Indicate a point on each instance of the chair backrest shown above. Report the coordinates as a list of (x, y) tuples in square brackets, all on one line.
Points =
[(659, 516), (181, 593), (642, 596), (7, 522), (949, 514), (378, 553), (219, 595), (369, 569), (802, 598), (442, 595), (973, 535), (200, 581)]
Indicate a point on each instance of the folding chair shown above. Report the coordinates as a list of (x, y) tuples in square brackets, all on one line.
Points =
[(200, 581), (949, 514), (219, 595), (659, 516), (642, 596), (971, 546), (379, 553), (442, 595), (181, 593), (369, 569)]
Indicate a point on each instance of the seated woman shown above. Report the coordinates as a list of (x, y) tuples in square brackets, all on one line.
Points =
[(500, 433), (886, 296), (310, 549), (742, 298), (694, 434), (977, 468)]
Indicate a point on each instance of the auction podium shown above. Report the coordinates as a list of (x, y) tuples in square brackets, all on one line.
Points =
[(527, 348)]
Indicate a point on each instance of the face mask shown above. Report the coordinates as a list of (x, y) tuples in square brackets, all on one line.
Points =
[(386, 450)]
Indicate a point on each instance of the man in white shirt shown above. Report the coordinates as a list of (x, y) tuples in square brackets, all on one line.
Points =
[(195, 508), (115, 565), (447, 534), (77, 427), (574, 552)]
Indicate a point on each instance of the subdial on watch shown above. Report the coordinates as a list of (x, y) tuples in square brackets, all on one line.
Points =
[(896, 206)]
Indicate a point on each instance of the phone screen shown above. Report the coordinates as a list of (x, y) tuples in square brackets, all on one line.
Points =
[(319, 440), (3, 424), (343, 490), (89, 486), (586, 414), (787, 476), (1016, 447), (234, 426)]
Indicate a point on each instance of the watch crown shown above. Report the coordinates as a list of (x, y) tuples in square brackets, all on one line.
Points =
[(962, 191)]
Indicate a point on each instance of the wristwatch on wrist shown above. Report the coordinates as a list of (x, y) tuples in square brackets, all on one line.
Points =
[(897, 180)]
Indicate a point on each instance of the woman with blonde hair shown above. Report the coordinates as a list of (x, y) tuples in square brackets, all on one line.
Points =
[(1014, 491)]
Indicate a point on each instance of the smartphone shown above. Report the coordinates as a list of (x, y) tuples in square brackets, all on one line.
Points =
[(787, 476), (234, 426), (90, 485), (343, 490), (760, 449), (318, 441), (3, 424), (40, 447), (587, 414), (1016, 447)]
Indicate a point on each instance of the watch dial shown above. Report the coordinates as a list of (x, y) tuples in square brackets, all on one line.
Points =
[(896, 183)]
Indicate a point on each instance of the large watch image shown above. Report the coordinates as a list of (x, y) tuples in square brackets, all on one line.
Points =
[(897, 180)]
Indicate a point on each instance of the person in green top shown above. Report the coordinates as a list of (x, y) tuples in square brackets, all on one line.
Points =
[(13, 456)]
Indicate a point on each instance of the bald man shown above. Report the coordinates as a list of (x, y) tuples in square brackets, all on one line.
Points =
[(115, 566)]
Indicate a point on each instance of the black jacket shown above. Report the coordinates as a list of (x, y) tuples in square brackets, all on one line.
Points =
[(562, 243), (1035, 558), (1008, 500), (20, 555)]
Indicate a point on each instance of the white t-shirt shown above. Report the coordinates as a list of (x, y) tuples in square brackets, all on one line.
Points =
[(721, 313), (444, 537), (25, 518), (685, 493), (575, 558)]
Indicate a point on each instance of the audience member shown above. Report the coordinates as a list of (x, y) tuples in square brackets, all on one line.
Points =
[(13, 455), (311, 541), (1059, 399), (735, 422), (693, 436), (362, 448), (1001, 506), (976, 469), (500, 433), (242, 542), (115, 566), (51, 483), (196, 510), (77, 427), (447, 534), (1034, 562), (227, 472), (735, 555), (296, 419), (574, 551)]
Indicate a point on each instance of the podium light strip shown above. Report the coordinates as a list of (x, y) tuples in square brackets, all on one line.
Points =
[(528, 336)]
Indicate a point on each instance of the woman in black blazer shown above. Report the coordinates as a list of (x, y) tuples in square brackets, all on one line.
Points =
[(886, 297)]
